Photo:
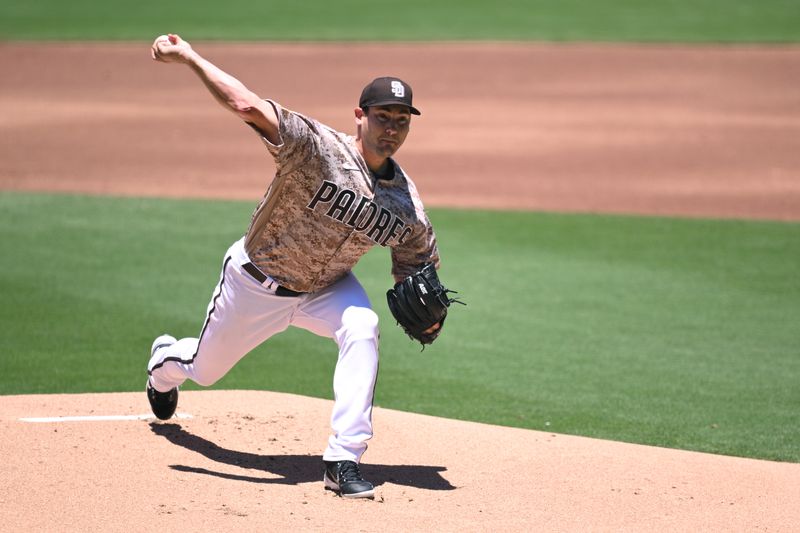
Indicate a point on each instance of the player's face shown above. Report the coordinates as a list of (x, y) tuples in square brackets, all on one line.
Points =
[(384, 129)]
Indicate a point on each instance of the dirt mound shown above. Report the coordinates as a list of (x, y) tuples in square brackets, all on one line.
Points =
[(251, 460)]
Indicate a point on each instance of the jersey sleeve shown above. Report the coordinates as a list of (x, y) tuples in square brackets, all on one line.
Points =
[(298, 137), (419, 249)]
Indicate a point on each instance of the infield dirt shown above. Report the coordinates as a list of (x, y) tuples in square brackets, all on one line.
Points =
[(650, 130), (250, 461)]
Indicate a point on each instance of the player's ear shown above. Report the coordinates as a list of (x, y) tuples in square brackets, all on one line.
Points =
[(360, 117), (359, 113)]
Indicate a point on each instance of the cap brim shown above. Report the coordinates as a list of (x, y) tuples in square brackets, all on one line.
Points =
[(412, 109)]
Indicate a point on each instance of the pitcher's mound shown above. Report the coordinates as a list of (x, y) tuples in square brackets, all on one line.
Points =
[(251, 460)]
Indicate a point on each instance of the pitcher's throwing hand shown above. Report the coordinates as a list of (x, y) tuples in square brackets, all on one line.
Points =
[(170, 49)]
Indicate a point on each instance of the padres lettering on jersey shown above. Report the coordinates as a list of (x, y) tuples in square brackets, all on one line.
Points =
[(376, 222)]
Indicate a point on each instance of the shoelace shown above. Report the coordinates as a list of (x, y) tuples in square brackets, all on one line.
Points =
[(348, 471)]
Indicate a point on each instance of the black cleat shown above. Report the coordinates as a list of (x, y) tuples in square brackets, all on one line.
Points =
[(345, 478), (163, 404)]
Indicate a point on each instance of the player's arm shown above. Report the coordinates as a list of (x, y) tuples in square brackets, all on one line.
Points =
[(226, 89), (415, 252), (412, 255)]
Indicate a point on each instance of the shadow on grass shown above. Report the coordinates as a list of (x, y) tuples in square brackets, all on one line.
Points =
[(293, 469)]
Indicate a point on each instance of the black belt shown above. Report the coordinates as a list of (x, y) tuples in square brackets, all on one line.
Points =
[(261, 278)]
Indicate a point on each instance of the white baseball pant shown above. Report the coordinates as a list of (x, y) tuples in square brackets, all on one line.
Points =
[(244, 313)]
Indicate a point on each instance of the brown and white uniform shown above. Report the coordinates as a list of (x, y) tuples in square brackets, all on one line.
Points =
[(323, 211)]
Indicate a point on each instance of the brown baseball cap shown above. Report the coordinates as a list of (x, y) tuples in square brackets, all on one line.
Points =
[(387, 91)]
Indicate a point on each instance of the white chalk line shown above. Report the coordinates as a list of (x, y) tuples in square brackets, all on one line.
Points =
[(96, 418)]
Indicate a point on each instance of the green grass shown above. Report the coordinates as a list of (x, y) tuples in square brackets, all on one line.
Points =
[(356, 20), (678, 333)]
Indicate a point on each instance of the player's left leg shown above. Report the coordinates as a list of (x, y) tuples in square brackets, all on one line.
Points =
[(343, 313)]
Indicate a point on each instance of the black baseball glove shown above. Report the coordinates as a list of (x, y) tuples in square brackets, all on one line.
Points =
[(419, 302)]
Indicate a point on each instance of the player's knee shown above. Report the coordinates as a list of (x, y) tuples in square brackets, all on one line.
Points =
[(358, 323)]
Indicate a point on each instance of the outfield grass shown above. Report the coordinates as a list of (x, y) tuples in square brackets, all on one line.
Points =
[(678, 333), (356, 20)]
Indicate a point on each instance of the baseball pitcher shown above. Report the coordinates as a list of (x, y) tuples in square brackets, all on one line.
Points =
[(333, 197)]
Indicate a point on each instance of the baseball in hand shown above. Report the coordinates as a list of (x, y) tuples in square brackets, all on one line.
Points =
[(168, 48)]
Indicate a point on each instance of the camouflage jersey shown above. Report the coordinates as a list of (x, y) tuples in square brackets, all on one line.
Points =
[(324, 210)]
